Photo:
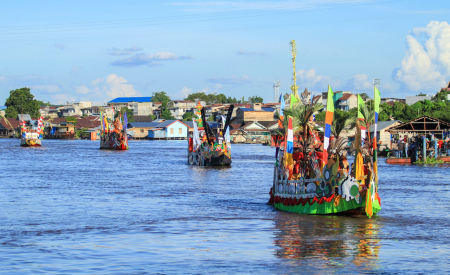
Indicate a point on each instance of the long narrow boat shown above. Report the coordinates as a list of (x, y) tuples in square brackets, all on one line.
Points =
[(31, 136), (114, 139), (312, 174), (205, 148)]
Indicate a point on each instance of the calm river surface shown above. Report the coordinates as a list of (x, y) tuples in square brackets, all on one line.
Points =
[(69, 207)]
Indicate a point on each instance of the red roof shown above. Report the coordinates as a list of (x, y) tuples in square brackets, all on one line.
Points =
[(346, 96), (13, 121)]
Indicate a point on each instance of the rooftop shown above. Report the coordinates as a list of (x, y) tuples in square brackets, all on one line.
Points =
[(131, 99)]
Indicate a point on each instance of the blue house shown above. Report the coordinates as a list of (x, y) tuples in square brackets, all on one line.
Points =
[(169, 129)]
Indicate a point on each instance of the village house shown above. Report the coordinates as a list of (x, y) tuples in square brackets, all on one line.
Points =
[(256, 113), (9, 127), (169, 129), (49, 111), (139, 130), (179, 107), (252, 132), (141, 106)]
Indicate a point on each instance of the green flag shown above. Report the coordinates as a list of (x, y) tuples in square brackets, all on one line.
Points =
[(377, 100), (360, 105), (293, 100)]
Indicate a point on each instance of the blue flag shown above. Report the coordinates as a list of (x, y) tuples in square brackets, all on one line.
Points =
[(125, 120), (282, 106)]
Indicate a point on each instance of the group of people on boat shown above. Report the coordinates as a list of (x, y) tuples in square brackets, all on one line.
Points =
[(410, 146)]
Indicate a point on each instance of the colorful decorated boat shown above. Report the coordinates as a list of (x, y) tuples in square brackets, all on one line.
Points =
[(114, 139), (312, 174), (31, 135), (205, 147)]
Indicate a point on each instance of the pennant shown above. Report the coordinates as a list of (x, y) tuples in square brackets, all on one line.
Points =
[(361, 118), (282, 105), (293, 101), (125, 120), (328, 123), (290, 144)]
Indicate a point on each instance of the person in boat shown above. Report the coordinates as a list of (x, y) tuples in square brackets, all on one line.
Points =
[(220, 138)]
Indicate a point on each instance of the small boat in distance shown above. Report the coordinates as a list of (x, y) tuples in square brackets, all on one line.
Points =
[(205, 148), (31, 131), (117, 138)]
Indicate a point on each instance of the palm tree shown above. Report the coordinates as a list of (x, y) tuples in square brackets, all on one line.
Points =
[(302, 113)]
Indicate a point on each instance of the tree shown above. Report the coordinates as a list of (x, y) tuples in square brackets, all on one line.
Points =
[(364, 96), (442, 95), (160, 97), (21, 101), (71, 119), (255, 99), (188, 116), (165, 112), (124, 110)]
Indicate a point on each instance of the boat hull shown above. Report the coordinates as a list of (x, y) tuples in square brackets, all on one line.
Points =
[(30, 142), (113, 142), (202, 159)]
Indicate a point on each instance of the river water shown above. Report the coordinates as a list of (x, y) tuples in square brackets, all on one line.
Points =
[(69, 208)]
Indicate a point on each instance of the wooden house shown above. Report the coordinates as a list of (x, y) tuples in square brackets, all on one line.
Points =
[(169, 129)]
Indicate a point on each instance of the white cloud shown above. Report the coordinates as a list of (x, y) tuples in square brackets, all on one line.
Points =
[(52, 89), (426, 65), (112, 86), (315, 83), (62, 99), (359, 82), (126, 51), (82, 89)]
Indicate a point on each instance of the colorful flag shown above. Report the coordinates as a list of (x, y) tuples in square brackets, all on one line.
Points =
[(377, 100), (282, 105), (293, 100), (361, 118), (290, 144), (328, 123)]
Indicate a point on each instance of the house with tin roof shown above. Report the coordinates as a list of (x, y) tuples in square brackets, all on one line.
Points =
[(169, 129)]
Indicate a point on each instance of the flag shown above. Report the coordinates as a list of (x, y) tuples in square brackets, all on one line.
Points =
[(196, 137), (125, 120), (328, 123), (377, 100), (290, 144), (293, 100), (361, 118), (102, 127), (282, 105)]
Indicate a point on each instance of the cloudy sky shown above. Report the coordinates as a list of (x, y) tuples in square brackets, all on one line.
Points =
[(99, 50)]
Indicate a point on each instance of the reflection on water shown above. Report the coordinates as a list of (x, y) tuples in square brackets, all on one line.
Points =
[(329, 238)]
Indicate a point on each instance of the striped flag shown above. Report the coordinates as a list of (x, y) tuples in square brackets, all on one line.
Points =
[(360, 117), (328, 123), (290, 144)]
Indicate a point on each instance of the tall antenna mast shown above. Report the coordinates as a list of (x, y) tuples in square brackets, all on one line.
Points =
[(276, 91), (294, 87)]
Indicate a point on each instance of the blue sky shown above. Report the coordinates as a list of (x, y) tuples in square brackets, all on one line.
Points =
[(98, 50)]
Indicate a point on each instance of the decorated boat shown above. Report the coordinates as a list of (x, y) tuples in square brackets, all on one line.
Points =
[(114, 138), (205, 147), (31, 134), (312, 174)]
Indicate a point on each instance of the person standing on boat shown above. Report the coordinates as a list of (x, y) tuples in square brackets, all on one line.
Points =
[(401, 147)]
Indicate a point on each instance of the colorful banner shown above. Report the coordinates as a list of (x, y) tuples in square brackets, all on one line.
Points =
[(361, 118), (282, 105), (289, 144), (328, 123), (125, 120)]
